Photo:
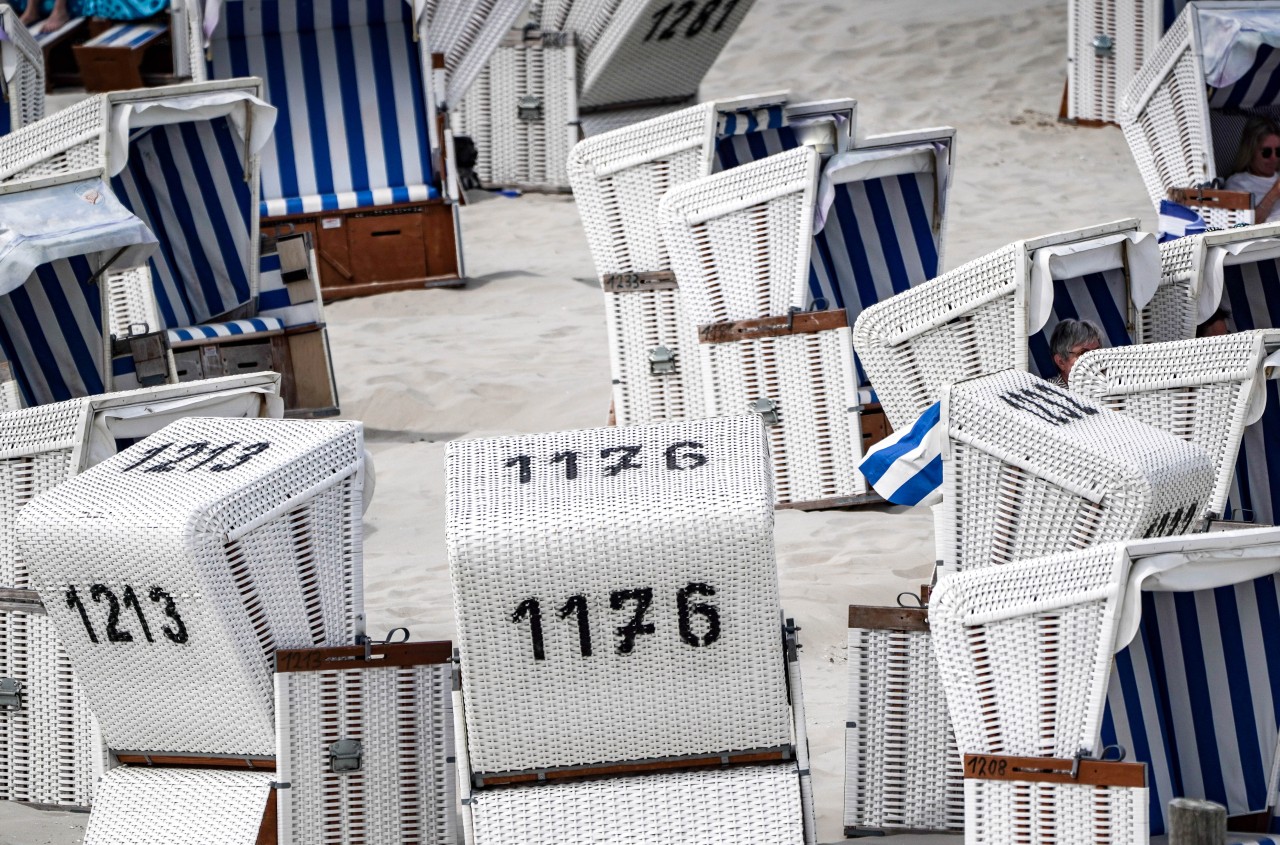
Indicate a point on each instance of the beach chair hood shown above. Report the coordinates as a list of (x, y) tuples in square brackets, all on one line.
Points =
[(1137, 251), (80, 217)]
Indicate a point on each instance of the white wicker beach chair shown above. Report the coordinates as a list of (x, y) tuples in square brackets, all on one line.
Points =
[(141, 158), (603, 638), (366, 745), (1183, 113), (1025, 654), (1204, 390), (619, 177), (216, 542), (1107, 42), (903, 771), (50, 749), (23, 73), (357, 159), (1031, 469), (589, 67), (998, 311), (742, 245), (173, 806)]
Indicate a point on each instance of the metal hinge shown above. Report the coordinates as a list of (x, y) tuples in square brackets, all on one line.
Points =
[(346, 756)]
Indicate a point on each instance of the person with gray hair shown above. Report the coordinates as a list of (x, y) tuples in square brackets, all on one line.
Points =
[(1070, 340)]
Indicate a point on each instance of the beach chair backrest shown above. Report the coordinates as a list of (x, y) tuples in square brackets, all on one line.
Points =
[(357, 111), (183, 806), (646, 51), (594, 628), (1204, 390), (217, 542), (466, 33), (1030, 468), (23, 73)]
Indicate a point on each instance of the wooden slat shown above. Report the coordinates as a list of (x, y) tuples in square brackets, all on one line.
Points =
[(1054, 770), (638, 282), (888, 618), (711, 761), (803, 322), (352, 657), (137, 758), (1237, 200)]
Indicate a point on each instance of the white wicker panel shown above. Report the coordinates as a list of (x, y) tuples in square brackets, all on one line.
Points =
[(739, 240), (49, 750), (467, 32), (403, 718), (131, 302), (648, 51), (638, 323), (817, 444), (10, 396), (64, 142), (679, 514), (178, 807), (903, 770), (1031, 469), (1000, 812), (25, 91), (1198, 390), (599, 122), (473, 118), (755, 805), (230, 538), (1097, 78)]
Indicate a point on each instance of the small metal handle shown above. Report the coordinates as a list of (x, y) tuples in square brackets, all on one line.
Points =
[(529, 107), (346, 756), (768, 411), (1103, 45), (662, 361), (10, 694)]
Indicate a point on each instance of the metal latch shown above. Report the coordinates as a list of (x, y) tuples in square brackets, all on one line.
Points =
[(150, 357), (529, 107), (346, 755), (768, 411), (662, 361), (1103, 45), (10, 694)]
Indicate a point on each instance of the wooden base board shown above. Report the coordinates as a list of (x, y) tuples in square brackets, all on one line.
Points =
[(832, 503)]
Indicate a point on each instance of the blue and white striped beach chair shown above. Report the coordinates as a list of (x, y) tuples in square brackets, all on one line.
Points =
[(357, 159), (1183, 114), (998, 312), (177, 167)]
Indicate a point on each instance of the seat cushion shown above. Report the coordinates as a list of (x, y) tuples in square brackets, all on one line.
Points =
[(232, 328)]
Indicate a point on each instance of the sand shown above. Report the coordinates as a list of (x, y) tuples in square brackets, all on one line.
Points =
[(522, 348)]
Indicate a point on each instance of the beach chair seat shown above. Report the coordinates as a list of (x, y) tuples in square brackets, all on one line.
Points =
[(1205, 391), (378, 213), (999, 311), (618, 179), (23, 75), (587, 68), (366, 745), (903, 771), (1173, 612), (1184, 112), (1029, 468), (113, 59), (50, 751), (271, 560), (641, 646)]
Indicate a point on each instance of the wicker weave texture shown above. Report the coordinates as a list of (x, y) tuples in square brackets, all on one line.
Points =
[(216, 558), (467, 32), (64, 142), (639, 563), (618, 179), (960, 325), (1031, 469), (1096, 77), (902, 768), (140, 806), (404, 792), (739, 240), (25, 91), (1197, 390), (49, 750), (816, 444), (999, 812), (636, 52), (1024, 651), (753, 804)]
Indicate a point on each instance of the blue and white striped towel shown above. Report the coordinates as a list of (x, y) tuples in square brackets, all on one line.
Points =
[(906, 467), (1178, 221)]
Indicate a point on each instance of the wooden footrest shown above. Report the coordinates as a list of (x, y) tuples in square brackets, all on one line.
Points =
[(112, 60)]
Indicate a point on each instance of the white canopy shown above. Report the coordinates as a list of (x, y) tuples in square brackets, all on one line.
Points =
[(1138, 251), (252, 118), (1229, 41)]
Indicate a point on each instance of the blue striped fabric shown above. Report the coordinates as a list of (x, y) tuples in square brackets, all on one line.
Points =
[(50, 332), (1196, 696), (127, 36), (231, 328), (1170, 9), (1099, 297), (186, 182), (735, 150), (348, 81), (751, 120), (906, 467), (1260, 86), (1252, 291)]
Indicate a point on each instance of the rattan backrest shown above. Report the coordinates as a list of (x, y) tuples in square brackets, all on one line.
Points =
[(1030, 469), (467, 32), (174, 570), (740, 239), (616, 594), (24, 90), (1204, 390)]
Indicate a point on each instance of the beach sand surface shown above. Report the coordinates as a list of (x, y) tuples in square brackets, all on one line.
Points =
[(523, 347)]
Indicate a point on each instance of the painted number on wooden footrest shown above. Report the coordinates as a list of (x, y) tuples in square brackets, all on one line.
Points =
[(613, 461), (636, 602), (117, 630)]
